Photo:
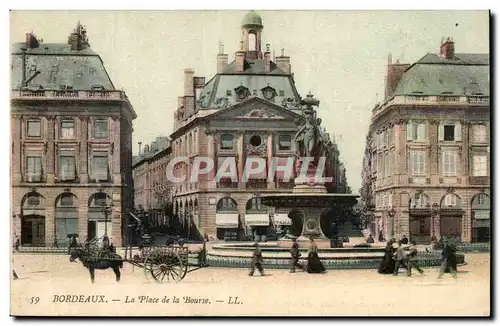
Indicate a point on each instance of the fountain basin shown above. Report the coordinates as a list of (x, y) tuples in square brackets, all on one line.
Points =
[(277, 256)]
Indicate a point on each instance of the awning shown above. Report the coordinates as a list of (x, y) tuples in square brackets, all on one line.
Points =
[(282, 219), (480, 223), (482, 215), (257, 219), (226, 220)]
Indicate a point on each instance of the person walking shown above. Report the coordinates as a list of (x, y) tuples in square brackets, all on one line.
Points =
[(449, 261), (412, 259), (256, 261), (404, 240), (294, 251), (399, 257)]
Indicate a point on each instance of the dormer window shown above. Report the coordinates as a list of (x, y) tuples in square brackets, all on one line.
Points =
[(269, 93), (242, 92)]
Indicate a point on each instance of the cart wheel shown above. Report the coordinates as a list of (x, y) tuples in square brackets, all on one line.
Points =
[(164, 266)]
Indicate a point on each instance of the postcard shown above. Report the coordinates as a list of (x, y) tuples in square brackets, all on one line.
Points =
[(250, 163)]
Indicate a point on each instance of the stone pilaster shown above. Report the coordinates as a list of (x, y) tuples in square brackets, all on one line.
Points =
[(50, 154), (116, 150), (16, 149), (83, 211), (84, 150), (116, 218), (49, 225)]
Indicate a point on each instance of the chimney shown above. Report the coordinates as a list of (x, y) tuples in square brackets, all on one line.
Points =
[(31, 41), (240, 61), (198, 82), (447, 49), (394, 73), (283, 62), (188, 82), (267, 57), (222, 59), (78, 40), (180, 101)]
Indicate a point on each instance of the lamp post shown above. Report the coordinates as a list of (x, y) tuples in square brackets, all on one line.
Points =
[(435, 211), (391, 213)]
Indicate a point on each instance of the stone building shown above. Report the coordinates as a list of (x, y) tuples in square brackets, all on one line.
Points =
[(71, 162), (248, 109), (152, 189), (426, 169)]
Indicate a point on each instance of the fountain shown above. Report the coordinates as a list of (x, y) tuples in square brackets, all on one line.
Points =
[(307, 203)]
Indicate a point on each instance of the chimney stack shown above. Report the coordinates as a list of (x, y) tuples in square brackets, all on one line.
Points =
[(394, 73), (283, 62), (188, 82), (447, 48), (31, 41), (267, 57), (240, 61), (222, 59)]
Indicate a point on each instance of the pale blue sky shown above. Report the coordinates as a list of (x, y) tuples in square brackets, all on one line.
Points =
[(340, 56)]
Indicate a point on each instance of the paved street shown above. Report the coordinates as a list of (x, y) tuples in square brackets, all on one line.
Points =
[(339, 292)]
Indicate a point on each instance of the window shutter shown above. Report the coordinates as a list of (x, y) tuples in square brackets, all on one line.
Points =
[(426, 131), (458, 131), (409, 131), (441, 132)]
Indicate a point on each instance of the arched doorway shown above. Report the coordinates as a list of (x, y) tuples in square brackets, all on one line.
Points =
[(99, 220), (480, 215), (227, 219), (257, 218), (420, 218), (66, 218), (33, 220), (451, 216)]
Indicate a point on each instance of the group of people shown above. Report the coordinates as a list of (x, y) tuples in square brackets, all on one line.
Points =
[(401, 254), (314, 264)]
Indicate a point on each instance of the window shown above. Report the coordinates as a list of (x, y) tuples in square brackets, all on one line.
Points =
[(67, 166), (227, 141), (68, 129), (419, 131), (67, 201), (480, 166), (417, 162), (252, 41), (228, 92), (33, 200), (449, 133), (100, 166), (451, 200), (100, 130), (386, 138), (449, 163), (282, 92), (33, 168), (421, 200), (479, 134), (285, 142), (254, 204), (387, 165), (226, 203), (255, 141), (34, 128)]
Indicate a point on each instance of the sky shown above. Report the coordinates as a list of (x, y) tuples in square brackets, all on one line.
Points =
[(338, 56)]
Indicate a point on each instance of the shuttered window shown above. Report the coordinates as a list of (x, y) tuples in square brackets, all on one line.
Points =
[(33, 168), (67, 166), (34, 128), (100, 166), (100, 129)]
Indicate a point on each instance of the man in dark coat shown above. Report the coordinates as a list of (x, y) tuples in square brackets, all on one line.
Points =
[(413, 260), (449, 260), (295, 257), (370, 239), (404, 240), (256, 261), (399, 257)]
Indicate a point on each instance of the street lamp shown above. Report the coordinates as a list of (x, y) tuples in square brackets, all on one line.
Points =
[(106, 210), (391, 213)]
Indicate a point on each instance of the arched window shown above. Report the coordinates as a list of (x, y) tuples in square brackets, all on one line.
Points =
[(255, 204), (226, 204), (451, 201), (252, 41), (32, 200), (481, 201), (66, 218), (227, 141), (420, 200)]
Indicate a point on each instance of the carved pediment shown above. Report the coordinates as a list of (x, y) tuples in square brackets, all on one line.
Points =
[(256, 108)]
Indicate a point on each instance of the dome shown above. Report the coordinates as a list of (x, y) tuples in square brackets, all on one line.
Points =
[(252, 18)]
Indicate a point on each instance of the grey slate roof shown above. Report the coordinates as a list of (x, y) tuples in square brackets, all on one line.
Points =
[(220, 84), (59, 66), (466, 74), (254, 67)]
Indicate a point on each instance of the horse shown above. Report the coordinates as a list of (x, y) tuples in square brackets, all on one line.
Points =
[(111, 260)]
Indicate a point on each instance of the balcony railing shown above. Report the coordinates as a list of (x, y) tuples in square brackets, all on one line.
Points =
[(60, 94)]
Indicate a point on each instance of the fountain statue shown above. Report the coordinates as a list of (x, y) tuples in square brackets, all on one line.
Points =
[(309, 201)]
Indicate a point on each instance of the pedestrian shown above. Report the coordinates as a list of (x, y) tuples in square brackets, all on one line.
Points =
[(399, 257), (294, 251), (412, 259), (256, 261), (449, 261), (370, 239), (404, 240), (314, 264)]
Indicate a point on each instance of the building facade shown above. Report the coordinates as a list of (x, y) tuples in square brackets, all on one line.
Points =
[(426, 169), (248, 109), (71, 161), (152, 189)]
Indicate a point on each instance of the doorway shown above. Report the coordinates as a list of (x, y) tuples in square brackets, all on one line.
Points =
[(33, 231)]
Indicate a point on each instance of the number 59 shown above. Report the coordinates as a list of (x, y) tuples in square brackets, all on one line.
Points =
[(34, 300)]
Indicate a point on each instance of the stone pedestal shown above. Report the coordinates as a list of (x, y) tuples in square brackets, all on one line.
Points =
[(312, 227)]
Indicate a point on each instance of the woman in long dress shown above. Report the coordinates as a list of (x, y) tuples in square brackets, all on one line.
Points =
[(387, 264), (314, 265)]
